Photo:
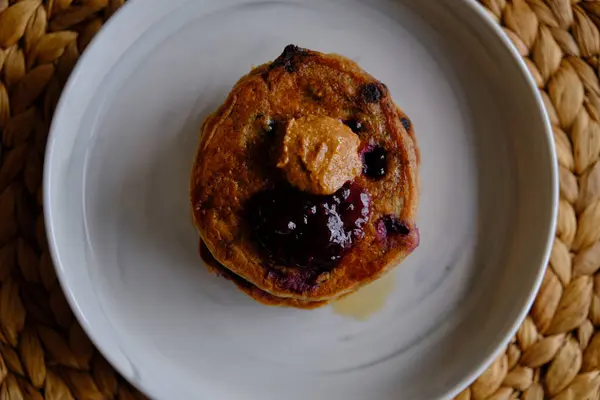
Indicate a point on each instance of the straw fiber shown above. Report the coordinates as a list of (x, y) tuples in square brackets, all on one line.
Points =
[(44, 353)]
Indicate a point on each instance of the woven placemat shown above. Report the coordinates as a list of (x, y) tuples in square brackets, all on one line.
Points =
[(45, 354)]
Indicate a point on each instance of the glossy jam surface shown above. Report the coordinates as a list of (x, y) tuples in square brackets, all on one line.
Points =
[(298, 229)]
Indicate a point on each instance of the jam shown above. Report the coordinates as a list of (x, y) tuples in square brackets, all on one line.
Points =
[(298, 229)]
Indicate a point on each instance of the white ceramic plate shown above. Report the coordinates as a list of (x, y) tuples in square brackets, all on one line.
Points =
[(116, 193)]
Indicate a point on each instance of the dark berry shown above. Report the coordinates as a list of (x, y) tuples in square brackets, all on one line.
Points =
[(390, 225), (354, 124), (294, 228), (290, 50), (371, 92), (405, 123), (286, 58), (375, 162)]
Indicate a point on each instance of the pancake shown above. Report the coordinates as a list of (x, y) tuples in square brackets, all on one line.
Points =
[(236, 164), (249, 289)]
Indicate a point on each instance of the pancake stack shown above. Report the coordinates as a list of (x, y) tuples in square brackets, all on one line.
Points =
[(274, 233)]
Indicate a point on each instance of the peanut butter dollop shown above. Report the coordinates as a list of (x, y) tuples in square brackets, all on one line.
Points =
[(319, 154)]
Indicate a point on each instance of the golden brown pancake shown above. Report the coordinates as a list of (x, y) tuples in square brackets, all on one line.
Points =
[(236, 163), (249, 289)]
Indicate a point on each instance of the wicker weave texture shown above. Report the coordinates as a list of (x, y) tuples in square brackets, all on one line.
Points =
[(44, 353)]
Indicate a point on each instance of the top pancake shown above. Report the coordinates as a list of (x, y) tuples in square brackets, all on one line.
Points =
[(236, 159)]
